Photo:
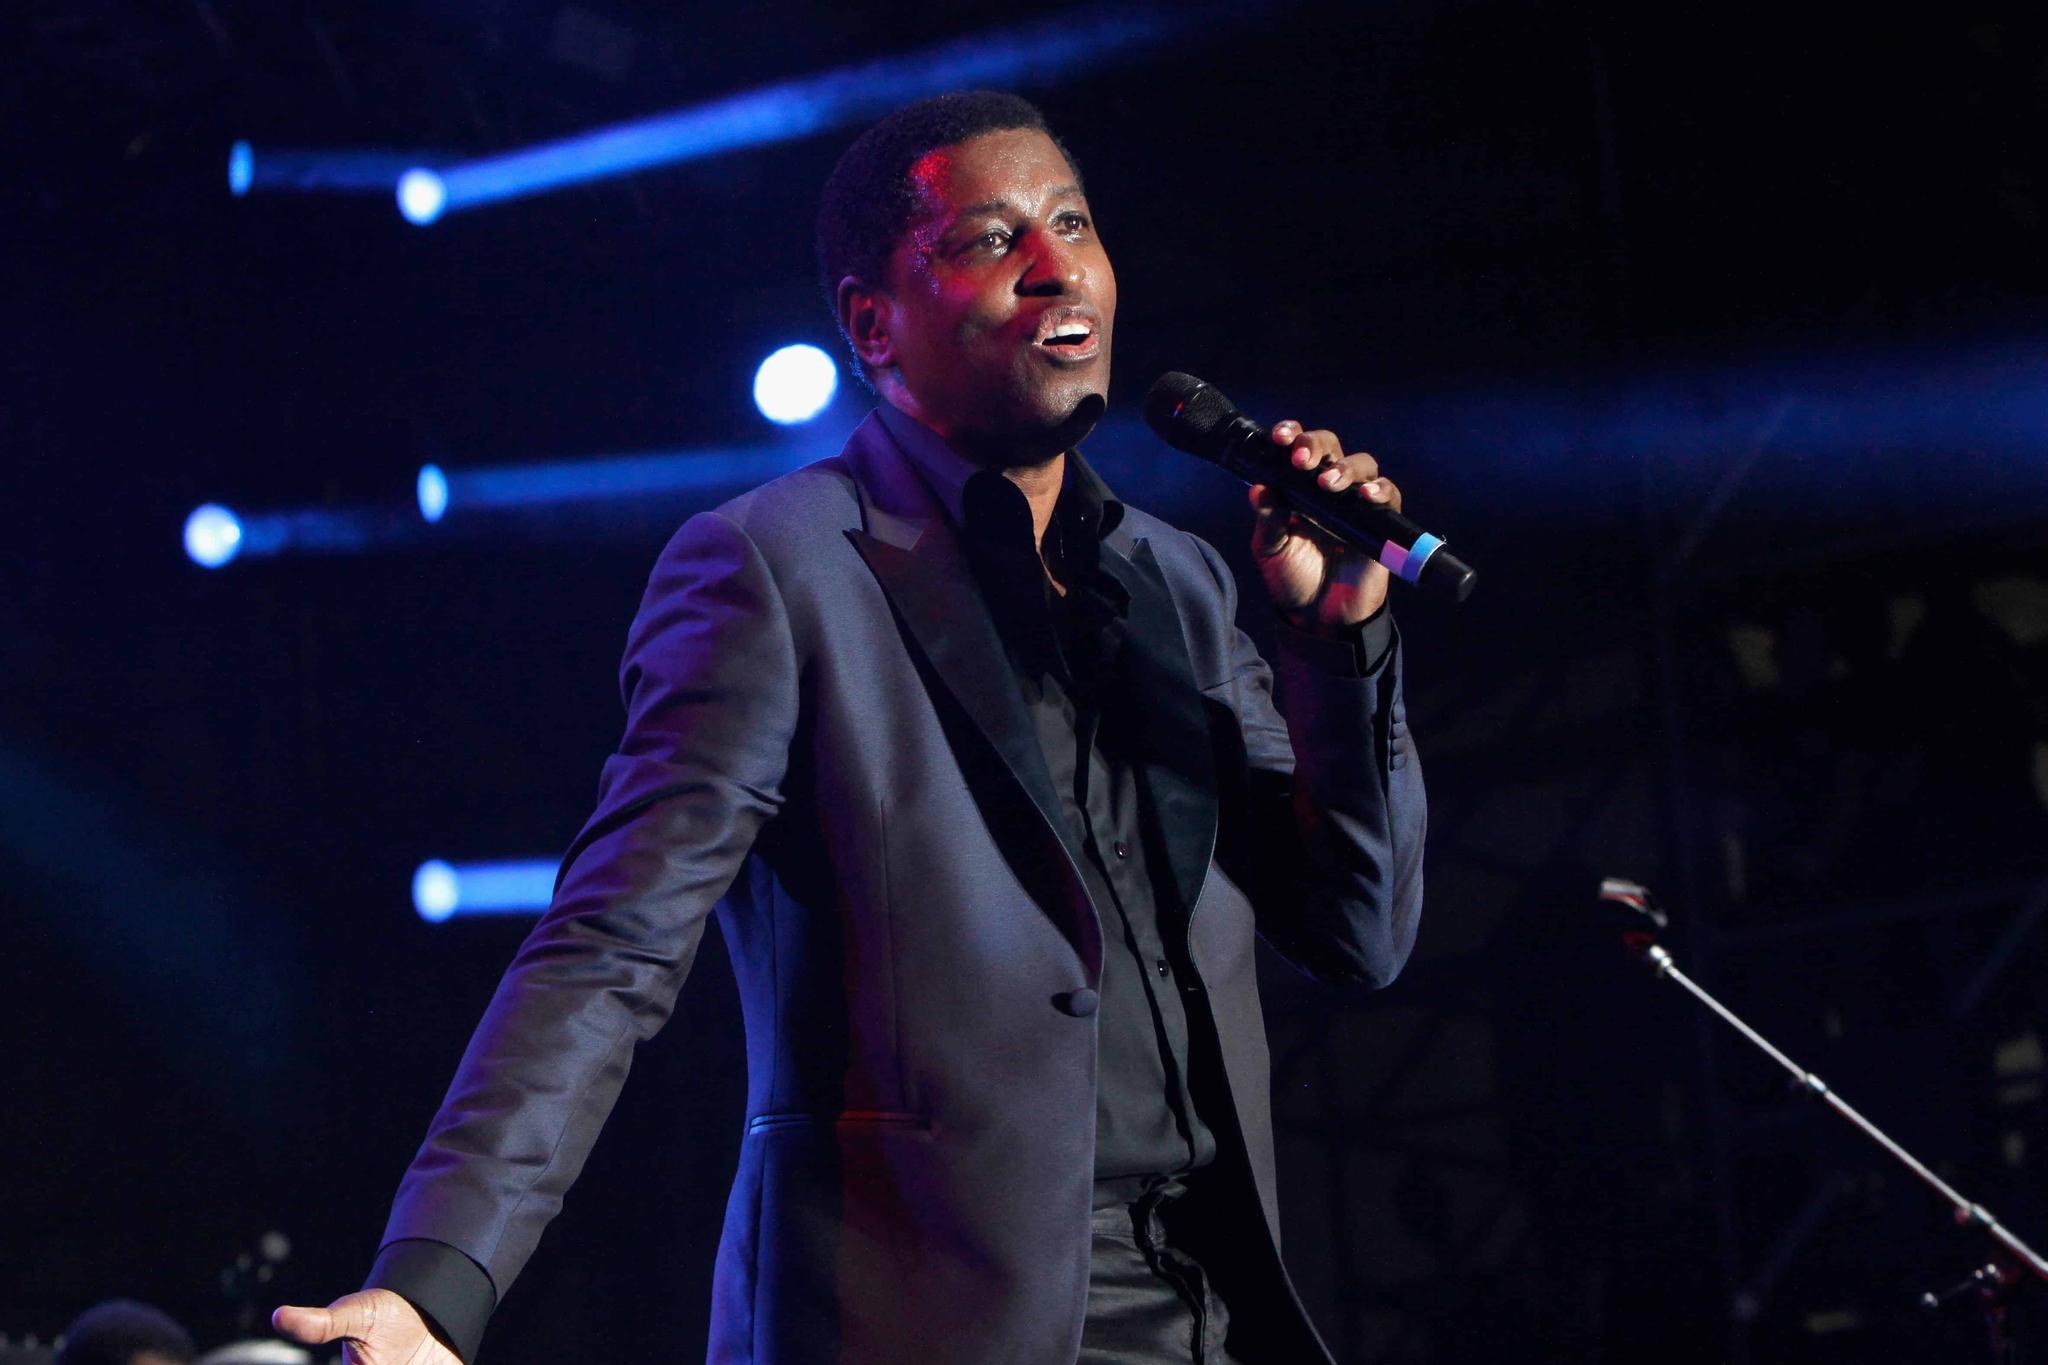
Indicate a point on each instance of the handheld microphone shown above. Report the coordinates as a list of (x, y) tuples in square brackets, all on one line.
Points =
[(1192, 416)]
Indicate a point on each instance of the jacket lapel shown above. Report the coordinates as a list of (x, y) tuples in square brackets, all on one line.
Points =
[(1178, 758), (922, 568)]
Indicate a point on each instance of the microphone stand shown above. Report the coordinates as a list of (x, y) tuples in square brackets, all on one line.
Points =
[(1640, 921)]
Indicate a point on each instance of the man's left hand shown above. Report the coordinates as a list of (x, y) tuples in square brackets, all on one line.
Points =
[(1317, 583)]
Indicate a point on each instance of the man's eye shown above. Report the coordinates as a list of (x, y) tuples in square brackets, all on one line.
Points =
[(1073, 223), (995, 239)]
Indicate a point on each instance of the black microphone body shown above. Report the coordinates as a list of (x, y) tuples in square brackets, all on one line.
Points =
[(1193, 416)]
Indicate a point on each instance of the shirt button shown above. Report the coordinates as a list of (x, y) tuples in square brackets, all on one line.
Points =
[(1123, 850), (1161, 964)]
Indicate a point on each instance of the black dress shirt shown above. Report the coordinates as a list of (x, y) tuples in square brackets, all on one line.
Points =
[(1064, 647)]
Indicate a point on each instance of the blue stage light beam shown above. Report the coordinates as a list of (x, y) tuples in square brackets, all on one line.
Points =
[(241, 169), (795, 384), (443, 890), (160, 922), (216, 536), (432, 492), (306, 170), (1055, 50), (616, 477)]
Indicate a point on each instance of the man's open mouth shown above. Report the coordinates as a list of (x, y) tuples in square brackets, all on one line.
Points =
[(1070, 334)]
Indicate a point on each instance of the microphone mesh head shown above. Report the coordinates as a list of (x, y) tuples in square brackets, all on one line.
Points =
[(1188, 414)]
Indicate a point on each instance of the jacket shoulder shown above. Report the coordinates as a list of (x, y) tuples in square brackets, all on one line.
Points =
[(787, 514)]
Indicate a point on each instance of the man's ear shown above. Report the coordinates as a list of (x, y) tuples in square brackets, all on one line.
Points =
[(866, 314)]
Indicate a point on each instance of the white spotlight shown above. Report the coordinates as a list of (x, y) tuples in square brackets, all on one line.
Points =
[(421, 196), (794, 384), (213, 535), (436, 891)]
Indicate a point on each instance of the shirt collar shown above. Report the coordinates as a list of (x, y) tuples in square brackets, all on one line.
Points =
[(947, 472)]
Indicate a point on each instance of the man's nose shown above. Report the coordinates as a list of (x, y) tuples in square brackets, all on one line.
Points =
[(1055, 266)]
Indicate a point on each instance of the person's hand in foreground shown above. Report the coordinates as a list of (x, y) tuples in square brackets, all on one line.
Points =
[(377, 1326)]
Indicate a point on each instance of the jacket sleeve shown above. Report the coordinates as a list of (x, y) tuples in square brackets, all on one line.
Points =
[(710, 687), (1327, 831)]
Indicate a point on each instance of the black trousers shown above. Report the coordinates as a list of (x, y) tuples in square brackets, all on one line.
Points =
[(1150, 1300)]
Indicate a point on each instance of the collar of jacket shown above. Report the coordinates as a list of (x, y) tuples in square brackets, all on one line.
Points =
[(947, 472)]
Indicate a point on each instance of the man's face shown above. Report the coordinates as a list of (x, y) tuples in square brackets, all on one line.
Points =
[(1000, 299)]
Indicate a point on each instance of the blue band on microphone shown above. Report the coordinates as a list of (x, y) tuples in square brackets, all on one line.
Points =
[(1418, 555)]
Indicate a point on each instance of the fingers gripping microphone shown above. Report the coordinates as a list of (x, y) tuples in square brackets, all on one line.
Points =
[(1191, 416)]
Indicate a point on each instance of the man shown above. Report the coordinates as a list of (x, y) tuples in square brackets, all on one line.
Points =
[(1001, 784)]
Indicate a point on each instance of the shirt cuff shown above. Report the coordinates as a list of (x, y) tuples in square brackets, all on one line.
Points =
[(1358, 651), (452, 1292)]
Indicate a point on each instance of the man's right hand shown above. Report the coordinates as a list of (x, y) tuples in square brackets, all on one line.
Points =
[(378, 1327)]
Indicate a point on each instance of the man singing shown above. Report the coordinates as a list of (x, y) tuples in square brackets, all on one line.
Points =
[(991, 796)]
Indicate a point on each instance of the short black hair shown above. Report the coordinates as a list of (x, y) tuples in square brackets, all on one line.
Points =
[(115, 1332), (868, 200)]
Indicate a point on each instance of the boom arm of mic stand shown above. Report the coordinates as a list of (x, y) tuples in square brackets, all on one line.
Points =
[(1966, 1211)]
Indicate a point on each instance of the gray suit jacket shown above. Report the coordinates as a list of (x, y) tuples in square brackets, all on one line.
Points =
[(826, 744)]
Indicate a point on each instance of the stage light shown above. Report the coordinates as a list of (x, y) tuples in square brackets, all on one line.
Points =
[(794, 384), (432, 492), (321, 170), (422, 195), (213, 535), (442, 890), (241, 169), (619, 478), (1049, 51), (435, 891)]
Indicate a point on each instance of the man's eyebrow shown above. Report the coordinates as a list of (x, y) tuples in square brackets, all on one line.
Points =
[(999, 205), (976, 210)]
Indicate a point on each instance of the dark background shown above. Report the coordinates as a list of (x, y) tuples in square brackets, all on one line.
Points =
[(1712, 336)]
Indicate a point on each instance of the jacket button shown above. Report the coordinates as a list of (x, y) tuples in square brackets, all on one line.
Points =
[(1080, 1004), (1123, 850)]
